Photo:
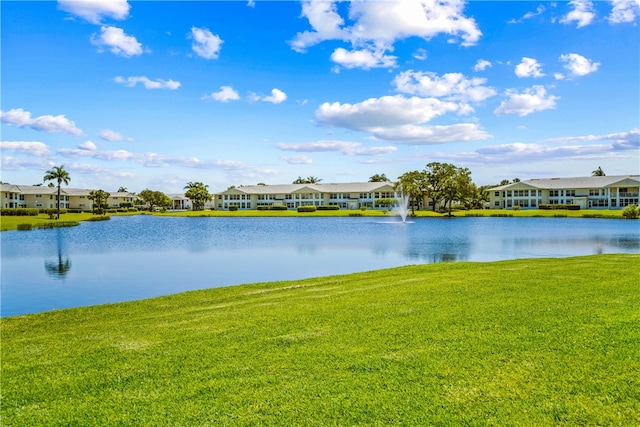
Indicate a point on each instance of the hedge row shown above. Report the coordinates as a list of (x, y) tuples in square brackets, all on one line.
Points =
[(560, 207), (19, 211), (306, 208), (329, 208), (272, 208), (56, 224)]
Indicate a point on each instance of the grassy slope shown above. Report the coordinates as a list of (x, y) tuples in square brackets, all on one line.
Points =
[(527, 342)]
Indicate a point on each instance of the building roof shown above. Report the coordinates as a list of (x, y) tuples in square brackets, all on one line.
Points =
[(354, 187), (576, 182)]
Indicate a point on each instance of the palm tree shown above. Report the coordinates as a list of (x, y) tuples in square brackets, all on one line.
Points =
[(379, 178), (59, 175), (123, 190), (598, 172)]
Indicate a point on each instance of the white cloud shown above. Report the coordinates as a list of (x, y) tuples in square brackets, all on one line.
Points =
[(420, 54), (481, 65), (529, 67), (621, 140), (363, 58), (582, 13), (88, 145), (148, 83), (378, 25), (344, 147), (530, 101), (9, 163), (624, 11), (31, 148), (297, 160), (450, 86), (95, 10), (428, 135), (277, 96), (387, 111), (117, 42), (539, 10), (225, 94), (20, 118), (205, 44), (578, 65), (111, 135)]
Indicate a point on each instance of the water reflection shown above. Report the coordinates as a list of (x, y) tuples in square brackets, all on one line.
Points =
[(61, 266)]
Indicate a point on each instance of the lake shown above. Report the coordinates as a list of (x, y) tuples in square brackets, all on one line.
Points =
[(129, 258)]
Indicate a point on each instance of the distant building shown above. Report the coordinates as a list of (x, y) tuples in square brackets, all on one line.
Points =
[(34, 196), (346, 196), (596, 192)]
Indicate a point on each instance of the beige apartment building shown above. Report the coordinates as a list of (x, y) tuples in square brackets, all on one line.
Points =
[(34, 196)]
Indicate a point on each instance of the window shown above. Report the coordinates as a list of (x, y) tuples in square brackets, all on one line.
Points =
[(571, 193), (497, 194)]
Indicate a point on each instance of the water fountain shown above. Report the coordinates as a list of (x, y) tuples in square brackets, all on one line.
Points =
[(401, 207)]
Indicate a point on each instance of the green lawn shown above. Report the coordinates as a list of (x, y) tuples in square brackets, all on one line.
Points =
[(540, 342)]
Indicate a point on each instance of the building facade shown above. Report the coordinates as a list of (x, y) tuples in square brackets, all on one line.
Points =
[(34, 196), (596, 192)]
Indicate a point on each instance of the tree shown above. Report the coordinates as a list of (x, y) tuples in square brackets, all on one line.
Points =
[(598, 172), (307, 180), (58, 174), (412, 185), (515, 180), (456, 186), (505, 182), (123, 190), (379, 178), (198, 194), (436, 177), (99, 199), (154, 198)]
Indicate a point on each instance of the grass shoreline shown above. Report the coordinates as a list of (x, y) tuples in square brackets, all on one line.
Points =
[(12, 222), (520, 342)]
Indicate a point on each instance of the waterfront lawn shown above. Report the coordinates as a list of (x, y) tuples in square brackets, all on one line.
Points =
[(521, 343)]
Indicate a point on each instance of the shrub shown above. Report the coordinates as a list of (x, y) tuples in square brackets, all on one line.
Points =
[(24, 227), (19, 212), (99, 218), (631, 212), (233, 208), (262, 208), (329, 208), (573, 207), (278, 208), (516, 208), (355, 214), (306, 208)]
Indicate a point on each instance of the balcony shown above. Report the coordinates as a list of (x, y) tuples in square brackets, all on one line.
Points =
[(628, 194)]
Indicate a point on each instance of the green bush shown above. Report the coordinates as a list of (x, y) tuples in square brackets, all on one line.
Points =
[(56, 224), (329, 208), (631, 212), (99, 218), (355, 214), (306, 208), (233, 208), (516, 208), (262, 208), (278, 208), (24, 227), (19, 212)]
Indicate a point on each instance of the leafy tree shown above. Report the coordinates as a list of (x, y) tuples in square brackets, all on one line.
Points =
[(154, 198), (515, 180), (198, 193), (504, 182), (456, 186), (412, 184), (123, 190), (436, 178), (598, 172), (58, 174), (631, 212), (99, 199), (307, 180), (379, 178)]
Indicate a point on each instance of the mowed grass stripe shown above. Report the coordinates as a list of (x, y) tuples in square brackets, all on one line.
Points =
[(525, 342)]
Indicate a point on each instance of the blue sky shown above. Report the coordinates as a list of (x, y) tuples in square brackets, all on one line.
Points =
[(153, 94)]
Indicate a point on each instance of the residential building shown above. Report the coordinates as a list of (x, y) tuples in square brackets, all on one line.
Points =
[(346, 196), (45, 197), (596, 192)]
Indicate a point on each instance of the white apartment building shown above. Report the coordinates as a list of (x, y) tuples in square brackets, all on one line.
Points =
[(595, 192), (34, 196)]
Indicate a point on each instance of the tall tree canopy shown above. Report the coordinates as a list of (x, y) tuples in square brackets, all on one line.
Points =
[(412, 184), (307, 180), (59, 175), (99, 199), (379, 177), (198, 193), (154, 198), (598, 172)]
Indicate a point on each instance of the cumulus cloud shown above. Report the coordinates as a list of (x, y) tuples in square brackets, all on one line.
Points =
[(297, 160), (31, 148), (532, 100), (377, 25), (429, 135), (387, 111), (343, 147), (450, 86), (363, 58), (205, 44), (277, 96), (111, 135), (95, 10), (225, 94), (88, 145), (117, 42), (529, 67), (148, 83), (20, 118), (624, 11), (482, 65), (582, 13), (539, 10), (578, 65)]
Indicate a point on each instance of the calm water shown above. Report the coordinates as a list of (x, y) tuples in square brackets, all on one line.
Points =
[(130, 258)]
